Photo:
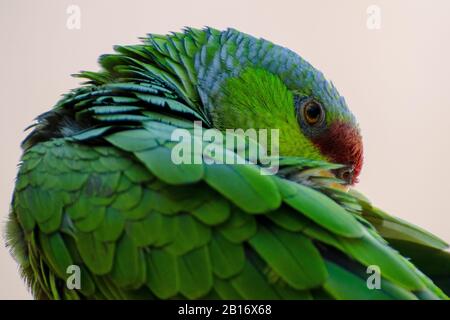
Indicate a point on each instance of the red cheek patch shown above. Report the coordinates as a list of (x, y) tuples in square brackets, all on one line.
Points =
[(342, 143)]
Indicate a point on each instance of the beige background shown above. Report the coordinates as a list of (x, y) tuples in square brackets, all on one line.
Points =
[(394, 79)]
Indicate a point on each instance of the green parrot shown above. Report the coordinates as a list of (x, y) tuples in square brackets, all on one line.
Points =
[(99, 196)]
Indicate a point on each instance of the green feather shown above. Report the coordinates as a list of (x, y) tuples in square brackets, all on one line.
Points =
[(244, 186), (162, 273), (159, 162), (317, 207), (97, 255), (252, 285), (292, 256), (129, 265), (227, 258), (56, 252), (195, 273)]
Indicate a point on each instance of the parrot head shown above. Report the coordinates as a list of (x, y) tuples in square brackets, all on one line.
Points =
[(252, 83)]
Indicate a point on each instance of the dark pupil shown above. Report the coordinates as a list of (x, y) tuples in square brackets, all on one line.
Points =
[(313, 112), (346, 175)]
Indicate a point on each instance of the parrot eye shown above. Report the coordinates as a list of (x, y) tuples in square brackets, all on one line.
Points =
[(310, 115), (313, 112)]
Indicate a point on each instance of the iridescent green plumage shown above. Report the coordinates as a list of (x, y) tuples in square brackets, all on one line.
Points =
[(97, 188)]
